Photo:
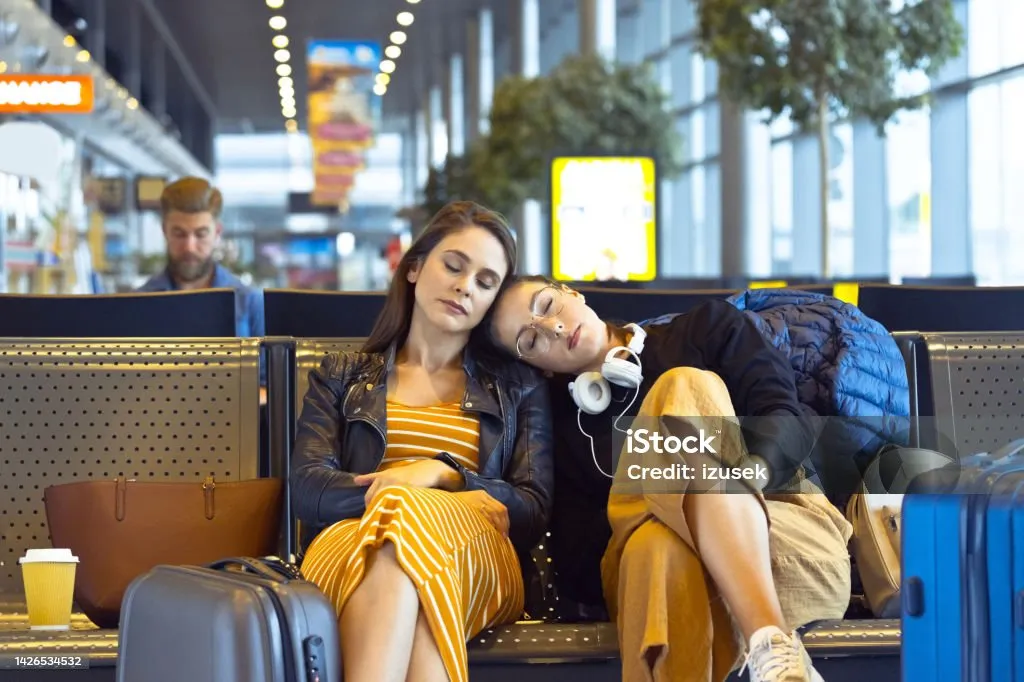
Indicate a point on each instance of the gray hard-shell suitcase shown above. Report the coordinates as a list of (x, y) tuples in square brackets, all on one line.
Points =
[(262, 623)]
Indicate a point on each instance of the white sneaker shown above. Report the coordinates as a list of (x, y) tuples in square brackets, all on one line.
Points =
[(777, 657)]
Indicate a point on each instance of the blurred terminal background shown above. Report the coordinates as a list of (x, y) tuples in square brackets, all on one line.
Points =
[(647, 140)]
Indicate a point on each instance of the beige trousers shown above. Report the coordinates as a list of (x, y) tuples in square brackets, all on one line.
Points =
[(673, 626)]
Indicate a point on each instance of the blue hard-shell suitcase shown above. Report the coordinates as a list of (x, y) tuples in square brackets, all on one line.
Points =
[(963, 592), (1005, 546)]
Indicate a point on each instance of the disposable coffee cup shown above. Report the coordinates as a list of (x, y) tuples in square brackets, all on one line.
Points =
[(49, 577)]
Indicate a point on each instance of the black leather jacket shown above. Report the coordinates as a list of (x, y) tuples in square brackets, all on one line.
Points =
[(341, 430)]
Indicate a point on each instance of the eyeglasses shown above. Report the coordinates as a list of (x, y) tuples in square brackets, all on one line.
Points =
[(535, 341)]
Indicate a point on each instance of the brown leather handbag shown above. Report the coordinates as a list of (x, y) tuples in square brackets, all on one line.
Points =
[(121, 529)]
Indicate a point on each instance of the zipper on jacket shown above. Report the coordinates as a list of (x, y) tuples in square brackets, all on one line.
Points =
[(359, 417), (506, 437)]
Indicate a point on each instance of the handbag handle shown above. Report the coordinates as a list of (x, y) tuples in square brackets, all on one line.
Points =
[(270, 568)]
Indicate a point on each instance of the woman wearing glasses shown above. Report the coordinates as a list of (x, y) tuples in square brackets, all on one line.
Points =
[(692, 580), (426, 470)]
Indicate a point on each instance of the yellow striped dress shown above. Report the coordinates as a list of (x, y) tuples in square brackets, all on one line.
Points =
[(465, 571)]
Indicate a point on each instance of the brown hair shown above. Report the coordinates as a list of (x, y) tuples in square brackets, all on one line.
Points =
[(191, 195), (392, 325), (489, 334)]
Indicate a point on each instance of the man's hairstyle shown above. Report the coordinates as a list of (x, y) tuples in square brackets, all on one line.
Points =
[(191, 195)]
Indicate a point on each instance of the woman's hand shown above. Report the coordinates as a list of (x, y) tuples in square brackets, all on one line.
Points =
[(428, 473), (493, 511)]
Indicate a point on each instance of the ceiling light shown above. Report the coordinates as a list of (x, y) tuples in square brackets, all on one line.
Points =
[(277, 23), (393, 52), (405, 18), (282, 55), (413, 2), (387, 66), (285, 82), (82, 56), (69, 41), (275, 4), (383, 78), (291, 125), (379, 89), (287, 91), (287, 100), (133, 103), (289, 113), (398, 37), (284, 70), (280, 41)]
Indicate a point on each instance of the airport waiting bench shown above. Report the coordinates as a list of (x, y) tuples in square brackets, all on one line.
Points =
[(72, 410), (970, 380), (555, 649)]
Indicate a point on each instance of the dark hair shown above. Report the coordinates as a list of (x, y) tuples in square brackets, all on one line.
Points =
[(392, 325), (191, 195), (489, 333)]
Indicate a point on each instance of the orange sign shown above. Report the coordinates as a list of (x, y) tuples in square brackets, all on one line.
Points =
[(46, 94)]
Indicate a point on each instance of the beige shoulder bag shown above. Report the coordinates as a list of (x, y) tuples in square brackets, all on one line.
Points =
[(876, 520)]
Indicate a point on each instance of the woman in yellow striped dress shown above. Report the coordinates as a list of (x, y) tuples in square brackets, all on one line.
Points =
[(425, 470)]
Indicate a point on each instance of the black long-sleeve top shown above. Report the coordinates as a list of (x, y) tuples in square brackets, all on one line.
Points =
[(715, 336)]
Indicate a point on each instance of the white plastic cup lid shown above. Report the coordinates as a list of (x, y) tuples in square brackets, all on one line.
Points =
[(50, 556)]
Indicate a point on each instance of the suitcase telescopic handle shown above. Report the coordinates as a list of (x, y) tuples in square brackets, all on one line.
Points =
[(256, 566)]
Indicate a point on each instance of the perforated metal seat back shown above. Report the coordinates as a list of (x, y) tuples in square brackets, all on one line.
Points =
[(146, 409), (978, 388), (309, 353)]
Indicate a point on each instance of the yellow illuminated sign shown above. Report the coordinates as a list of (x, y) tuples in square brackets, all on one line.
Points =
[(603, 218)]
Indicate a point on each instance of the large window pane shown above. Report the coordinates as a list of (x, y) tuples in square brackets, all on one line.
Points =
[(629, 45), (698, 136), (1013, 168), (711, 250), (908, 161), (697, 78), (680, 61), (782, 207), (675, 255), (1012, 21), (653, 27), (781, 126), (997, 176), (683, 18), (983, 22), (986, 182), (712, 129), (840, 201)]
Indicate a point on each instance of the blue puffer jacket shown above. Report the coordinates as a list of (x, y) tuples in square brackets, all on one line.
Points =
[(847, 366)]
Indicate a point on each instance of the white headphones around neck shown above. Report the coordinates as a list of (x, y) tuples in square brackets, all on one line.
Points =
[(591, 391)]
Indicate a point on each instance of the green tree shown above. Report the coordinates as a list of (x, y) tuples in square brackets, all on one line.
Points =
[(586, 105), (823, 60)]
